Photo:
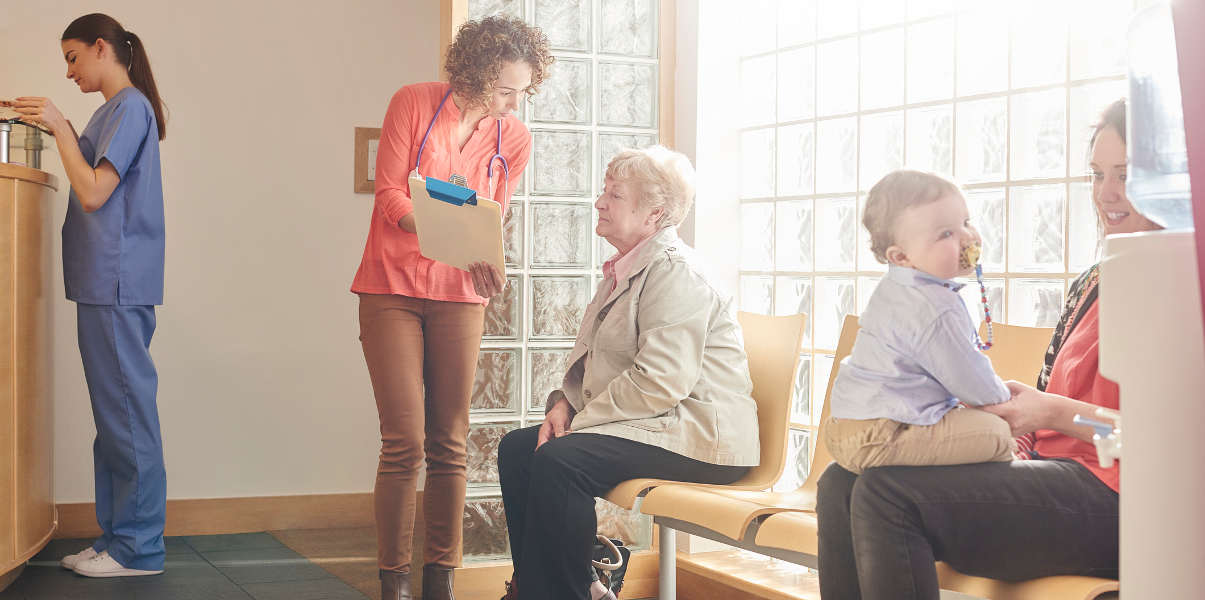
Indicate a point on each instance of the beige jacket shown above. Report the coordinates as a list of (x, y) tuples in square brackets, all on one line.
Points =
[(660, 360)]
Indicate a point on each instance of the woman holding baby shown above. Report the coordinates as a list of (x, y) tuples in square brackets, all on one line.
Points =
[(1054, 511)]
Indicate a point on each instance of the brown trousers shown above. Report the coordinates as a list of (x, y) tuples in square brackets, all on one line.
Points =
[(421, 356), (963, 436)]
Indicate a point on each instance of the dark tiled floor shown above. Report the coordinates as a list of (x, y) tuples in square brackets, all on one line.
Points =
[(250, 566), (349, 554)]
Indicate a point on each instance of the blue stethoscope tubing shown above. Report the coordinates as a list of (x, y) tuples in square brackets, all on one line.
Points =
[(489, 165)]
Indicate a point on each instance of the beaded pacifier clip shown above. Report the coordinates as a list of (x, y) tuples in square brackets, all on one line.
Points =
[(969, 258)]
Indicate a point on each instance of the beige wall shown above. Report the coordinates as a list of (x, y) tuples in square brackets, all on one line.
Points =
[(262, 388)]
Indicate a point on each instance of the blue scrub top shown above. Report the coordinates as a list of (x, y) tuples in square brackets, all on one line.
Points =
[(115, 254)]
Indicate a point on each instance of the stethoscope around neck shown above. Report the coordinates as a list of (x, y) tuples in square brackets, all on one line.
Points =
[(489, 165)]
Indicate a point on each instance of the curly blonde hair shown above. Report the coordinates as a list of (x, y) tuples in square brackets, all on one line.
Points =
[(475, 58)]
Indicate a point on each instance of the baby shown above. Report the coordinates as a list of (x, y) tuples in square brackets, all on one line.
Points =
[(897, 397)]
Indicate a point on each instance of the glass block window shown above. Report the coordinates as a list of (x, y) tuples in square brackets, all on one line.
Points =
[(836, 93), (600, 97)]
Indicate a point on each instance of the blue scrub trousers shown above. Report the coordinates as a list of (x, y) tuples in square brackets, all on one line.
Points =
[(131, 483)]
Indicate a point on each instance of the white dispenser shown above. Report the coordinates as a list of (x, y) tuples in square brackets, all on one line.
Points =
[(1151, 338)]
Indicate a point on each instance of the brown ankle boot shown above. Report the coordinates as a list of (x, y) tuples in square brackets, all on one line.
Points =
[(395, 585), (437, 583)]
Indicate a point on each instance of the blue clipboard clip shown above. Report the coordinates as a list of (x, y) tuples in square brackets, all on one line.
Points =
[(450, 192)]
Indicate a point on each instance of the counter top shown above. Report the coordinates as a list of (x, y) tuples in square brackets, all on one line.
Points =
[(11, 171)]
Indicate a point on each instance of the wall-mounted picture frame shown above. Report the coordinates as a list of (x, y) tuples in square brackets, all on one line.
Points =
[(364, 171)]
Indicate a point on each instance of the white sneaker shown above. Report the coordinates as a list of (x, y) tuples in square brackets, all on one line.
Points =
[(69, 561), (103, 565)]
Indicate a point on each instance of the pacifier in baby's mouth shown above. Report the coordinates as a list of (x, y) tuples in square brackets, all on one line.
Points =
[(970, 256)]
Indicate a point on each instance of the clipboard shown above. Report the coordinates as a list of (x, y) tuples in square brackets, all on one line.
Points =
[(454, 225)]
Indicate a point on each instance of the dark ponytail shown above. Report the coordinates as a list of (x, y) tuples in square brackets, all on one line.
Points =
[(130, 52)]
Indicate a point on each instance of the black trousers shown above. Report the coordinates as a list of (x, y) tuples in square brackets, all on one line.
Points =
[(880, 532), (549, 500)]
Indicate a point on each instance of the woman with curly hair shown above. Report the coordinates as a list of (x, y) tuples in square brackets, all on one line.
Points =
[(421, 320)]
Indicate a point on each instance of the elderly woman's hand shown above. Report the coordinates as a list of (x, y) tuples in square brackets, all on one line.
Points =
[(556, 422)]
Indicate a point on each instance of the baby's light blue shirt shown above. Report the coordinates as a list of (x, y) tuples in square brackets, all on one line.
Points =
[(915, 356)]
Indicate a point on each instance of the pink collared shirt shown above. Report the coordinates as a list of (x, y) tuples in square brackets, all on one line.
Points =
[(392, 263), (620, 266)]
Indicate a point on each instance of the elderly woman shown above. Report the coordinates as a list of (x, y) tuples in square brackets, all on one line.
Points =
[(658, 385), (1054, 513)]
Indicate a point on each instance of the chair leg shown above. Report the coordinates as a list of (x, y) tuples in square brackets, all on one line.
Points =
[(667, 586)]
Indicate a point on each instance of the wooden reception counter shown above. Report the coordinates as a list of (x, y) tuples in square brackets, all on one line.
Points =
[(27, 512)]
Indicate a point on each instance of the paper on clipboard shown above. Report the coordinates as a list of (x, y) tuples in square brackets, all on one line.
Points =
[(456, 234)]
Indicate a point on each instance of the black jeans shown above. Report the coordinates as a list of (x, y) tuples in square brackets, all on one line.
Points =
[(549, 500), (880, 532)]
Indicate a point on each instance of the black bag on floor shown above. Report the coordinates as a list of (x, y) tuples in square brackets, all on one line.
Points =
[(610, 563)]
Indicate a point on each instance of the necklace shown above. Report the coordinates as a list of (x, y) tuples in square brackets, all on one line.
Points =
[(970, 256), (987, 311)]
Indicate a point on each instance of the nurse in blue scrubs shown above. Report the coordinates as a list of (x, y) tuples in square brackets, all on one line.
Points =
[(113, 270)]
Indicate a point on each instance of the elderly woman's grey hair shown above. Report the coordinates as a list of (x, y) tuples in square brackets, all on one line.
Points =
[(665, 179)]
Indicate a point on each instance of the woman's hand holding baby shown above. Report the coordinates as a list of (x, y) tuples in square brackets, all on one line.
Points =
[(1025, 411), (1030, 410)]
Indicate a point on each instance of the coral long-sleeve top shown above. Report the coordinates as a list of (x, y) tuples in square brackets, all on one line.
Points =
[(1076, 374), (392, 263)]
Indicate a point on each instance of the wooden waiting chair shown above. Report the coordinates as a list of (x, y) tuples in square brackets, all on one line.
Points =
[(1059, 587), (727, 515), (1018, 352), (772, 345)]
